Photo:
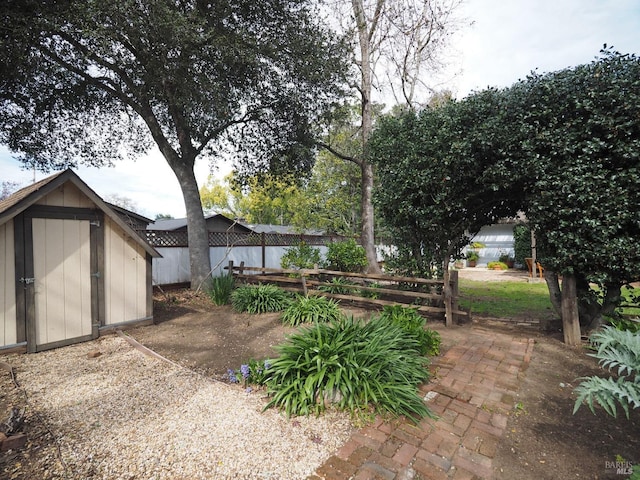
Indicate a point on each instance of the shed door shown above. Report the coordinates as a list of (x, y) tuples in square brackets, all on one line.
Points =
[(62, 281)]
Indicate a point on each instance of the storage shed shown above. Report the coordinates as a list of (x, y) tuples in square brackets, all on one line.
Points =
[(69, 266)]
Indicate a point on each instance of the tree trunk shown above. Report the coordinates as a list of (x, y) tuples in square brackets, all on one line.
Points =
[(570, 317), (555, 295), (446, 291), (591, 308), (365, 34), (367, 232), (199, 258)]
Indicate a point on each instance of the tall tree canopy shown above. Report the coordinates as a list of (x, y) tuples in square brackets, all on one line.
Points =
[(94, 80), (396, 43), (563, 147)]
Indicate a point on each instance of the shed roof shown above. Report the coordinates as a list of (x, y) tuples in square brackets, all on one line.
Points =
[(22, 199)]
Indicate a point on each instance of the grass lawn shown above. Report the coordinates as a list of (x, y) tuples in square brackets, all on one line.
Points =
[(506, 299)]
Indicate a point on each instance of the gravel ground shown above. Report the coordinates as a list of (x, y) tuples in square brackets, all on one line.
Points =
[(125, 415)]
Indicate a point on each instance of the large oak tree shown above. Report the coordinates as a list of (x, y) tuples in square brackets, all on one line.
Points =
[(96, 80)]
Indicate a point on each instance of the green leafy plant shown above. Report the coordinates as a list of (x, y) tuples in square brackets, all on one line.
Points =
[(413, 323), (345, 256), (259, 298), (626, 324), (221, 288), (337, 286), (619, 350), (497, 266), (472, 256), (311, 309), (354, 365), (370, 293), (302, 255)]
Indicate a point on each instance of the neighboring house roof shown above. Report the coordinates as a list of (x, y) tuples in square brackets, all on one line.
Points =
[(22, 199), (171, 224), (283, 229)]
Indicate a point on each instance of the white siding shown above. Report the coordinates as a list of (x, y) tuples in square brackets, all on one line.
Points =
[(174, 266), (497, 239), (8, 332)]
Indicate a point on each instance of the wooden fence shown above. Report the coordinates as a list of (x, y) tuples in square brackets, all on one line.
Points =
[(384, 289)]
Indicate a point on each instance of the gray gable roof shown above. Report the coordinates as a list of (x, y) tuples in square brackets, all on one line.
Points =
[(22, 199)]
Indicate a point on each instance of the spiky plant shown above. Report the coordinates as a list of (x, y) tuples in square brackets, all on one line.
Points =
[(337, 286), (352, 364), (619, 350), (261, 298), (221, 288), (311, 309), (411, 321)]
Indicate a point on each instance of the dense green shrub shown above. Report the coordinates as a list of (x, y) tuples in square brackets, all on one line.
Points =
[(259, 298), (521, 243), (221, 288), (302, 255), (413, 323), (619, 350), (345, 256), (354, 365), (311, 309)]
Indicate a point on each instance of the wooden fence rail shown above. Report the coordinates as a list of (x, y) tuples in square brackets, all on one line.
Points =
[(407, 291)]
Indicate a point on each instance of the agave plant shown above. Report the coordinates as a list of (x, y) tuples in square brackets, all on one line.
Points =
[(619, 350)]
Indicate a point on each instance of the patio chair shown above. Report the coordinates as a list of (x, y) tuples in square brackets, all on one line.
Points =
[(539, 268)]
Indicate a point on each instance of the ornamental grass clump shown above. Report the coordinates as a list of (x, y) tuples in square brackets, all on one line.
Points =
[(311, 309), (355, 365), (221, 288), (261, 298), (413, 323)]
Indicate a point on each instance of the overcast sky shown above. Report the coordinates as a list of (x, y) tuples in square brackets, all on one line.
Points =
[(507, 40)]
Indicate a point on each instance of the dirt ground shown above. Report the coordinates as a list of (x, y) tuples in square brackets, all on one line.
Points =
[(543, 439)]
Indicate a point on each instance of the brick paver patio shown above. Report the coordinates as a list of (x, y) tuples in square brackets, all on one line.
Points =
[(472, 391)]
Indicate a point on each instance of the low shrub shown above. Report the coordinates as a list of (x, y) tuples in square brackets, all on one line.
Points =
[(413, 323), (221, 288), (261, 298), (311, 309), (355, 365), (345, 256), (615, 349), (497, 266), (302, 255)]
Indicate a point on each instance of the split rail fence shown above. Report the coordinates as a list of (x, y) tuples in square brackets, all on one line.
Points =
[(388, 289)]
